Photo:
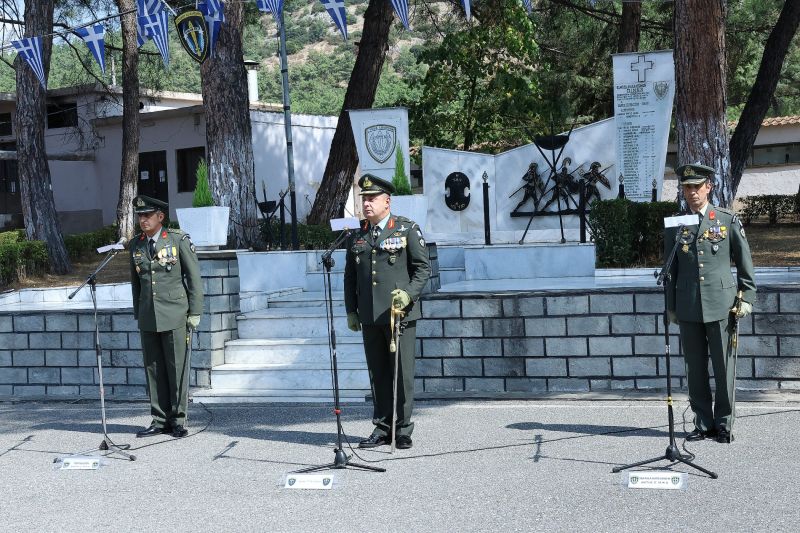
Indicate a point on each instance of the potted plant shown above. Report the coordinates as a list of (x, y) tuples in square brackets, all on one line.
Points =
[(413, 206), (205, 222)]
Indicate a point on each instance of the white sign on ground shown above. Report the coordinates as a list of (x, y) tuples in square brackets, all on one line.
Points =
[(378, 134), (644, 87), (309, 481), (657, 479)]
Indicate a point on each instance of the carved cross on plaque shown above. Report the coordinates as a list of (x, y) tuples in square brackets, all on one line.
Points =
[(641, 67)]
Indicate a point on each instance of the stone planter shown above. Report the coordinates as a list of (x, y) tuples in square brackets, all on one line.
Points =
[(414, 206), (208, 226)]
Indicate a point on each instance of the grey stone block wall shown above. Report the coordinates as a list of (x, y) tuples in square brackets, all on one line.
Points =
[(600, 340), (52, 354)]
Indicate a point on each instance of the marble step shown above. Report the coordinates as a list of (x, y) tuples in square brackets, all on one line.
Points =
[(283, 323), (293, 351), (289, 377), (233, 396), (306, 299), (315, 282)]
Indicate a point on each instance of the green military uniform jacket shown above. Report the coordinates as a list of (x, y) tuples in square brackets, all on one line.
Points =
[(166, 288), (398, 259), (702, 287)]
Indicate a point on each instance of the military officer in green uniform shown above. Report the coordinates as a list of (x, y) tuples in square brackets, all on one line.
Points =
[(387, 265), (167, 298), (702, 300)]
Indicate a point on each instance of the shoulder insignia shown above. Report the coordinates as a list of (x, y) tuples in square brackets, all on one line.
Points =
[(390, 224)]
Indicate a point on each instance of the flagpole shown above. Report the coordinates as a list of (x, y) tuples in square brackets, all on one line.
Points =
[(287, 118)]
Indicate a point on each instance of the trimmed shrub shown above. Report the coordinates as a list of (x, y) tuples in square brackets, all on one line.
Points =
[(775, 207), (202, 194)]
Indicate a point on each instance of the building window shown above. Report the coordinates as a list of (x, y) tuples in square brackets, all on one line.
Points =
[(188, 159), (62, 115), (779, 154), (5, 125)]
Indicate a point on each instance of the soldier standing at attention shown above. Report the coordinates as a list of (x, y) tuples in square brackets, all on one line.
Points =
[(387, 265), (702, 300), (167, 298)]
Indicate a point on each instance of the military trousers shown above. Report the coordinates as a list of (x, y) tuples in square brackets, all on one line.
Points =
[(380, 362), (703, 341), (167, 371)]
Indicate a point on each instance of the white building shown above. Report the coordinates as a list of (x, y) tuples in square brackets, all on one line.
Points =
[(83, 137)]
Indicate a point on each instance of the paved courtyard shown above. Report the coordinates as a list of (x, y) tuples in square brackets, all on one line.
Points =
[(477, 465)]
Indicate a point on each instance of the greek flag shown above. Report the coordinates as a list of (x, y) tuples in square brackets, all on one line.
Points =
[(271, 6), (528, 6), (467, 9), (149, 7), (94, 37), (401, 8), (156, 27), (31, 51), (335, 9), (214, 14)]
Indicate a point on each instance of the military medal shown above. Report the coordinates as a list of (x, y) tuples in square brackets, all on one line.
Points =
[(358, 260), (685, 248)]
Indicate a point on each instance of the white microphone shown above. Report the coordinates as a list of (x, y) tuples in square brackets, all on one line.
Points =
[(119, 245)]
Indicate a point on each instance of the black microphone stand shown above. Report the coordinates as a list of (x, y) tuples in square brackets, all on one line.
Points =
[(672, 454), (91, 280), (341, 459)]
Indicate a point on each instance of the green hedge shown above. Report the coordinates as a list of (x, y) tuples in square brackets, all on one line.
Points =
[(20, 258), (83, 245), (775, 207), (627, 233), (310, 237)]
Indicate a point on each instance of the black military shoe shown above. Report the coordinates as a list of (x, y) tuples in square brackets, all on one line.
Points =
[(374, 440), (697, 435), (152, 431), (724, 436), (179, 431), (403, 442)]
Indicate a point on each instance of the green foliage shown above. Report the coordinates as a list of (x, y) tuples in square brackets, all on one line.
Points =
[(310, 237), (84, 245), (775, 207), (481, 85), (629, 233), (202, 193), (19, 259), (400, 179)]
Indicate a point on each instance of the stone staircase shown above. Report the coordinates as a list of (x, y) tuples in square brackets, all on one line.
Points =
[(282, 352)]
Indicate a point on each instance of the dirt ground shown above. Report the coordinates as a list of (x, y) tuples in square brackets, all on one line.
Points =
[(777, 245)]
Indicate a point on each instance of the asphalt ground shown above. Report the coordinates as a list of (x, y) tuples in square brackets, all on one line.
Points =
[(476, 465)]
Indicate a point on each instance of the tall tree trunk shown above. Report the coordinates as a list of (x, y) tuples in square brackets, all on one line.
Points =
[(758, 101), (126, 225), (38, 206), (343, 159), (700, 96), (229, 140), (630, 28)]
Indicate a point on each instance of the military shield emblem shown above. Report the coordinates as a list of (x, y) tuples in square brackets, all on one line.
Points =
[(457, 191), (661, 88), (193, 34), (380, 140)]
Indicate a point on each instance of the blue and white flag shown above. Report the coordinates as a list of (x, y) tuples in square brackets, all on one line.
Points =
[(31, 51), (156, 27), (401, 8), (335, 9), (528, 6), (467, 9), (94, 37), (213, 11), (271, 6), (149, 7)]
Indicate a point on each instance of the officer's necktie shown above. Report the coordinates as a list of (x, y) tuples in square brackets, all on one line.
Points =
[(376, 232), (152, 249)]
